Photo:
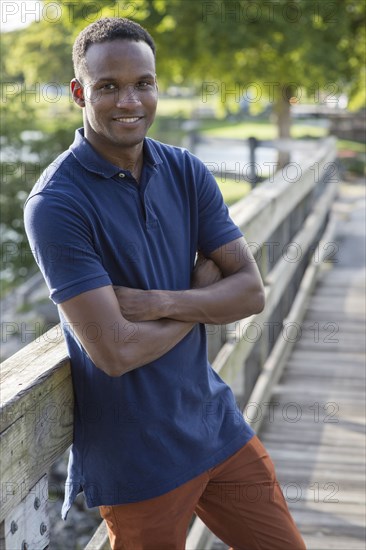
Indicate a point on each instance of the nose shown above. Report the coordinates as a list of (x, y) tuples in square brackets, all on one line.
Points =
[(127, 95)]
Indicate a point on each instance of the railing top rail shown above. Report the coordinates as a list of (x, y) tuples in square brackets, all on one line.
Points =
[(31, 364), (259, 213)]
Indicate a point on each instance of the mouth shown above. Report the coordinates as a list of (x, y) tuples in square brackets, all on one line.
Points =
[(128, 119)]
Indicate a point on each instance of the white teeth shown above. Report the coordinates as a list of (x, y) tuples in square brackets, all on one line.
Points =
[(128, 119)]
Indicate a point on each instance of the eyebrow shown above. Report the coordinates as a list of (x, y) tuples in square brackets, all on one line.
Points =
[(114, 79)]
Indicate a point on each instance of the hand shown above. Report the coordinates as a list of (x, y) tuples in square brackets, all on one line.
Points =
[(139, 305), (205, 272)]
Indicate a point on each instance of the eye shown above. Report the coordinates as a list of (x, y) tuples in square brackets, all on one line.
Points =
[(108, 86), (143, 84)]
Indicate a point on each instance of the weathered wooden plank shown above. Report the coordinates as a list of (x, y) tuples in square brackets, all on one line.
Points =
[(319, 416), (345, 278), (198, 535), (340, 300), (324, 317), (310, 490), (348, 428), (330, 331), (308, 437), (322, 541), (332, 395), (317, 501), (304, 381), (355, 369), (329, 368), (316, 520), (279, 198), (327, 438), (301, 375), (327, 290), (36, 416), (299, 432), (326, 331), (100, 540), (334, 315), (312, 448), (316, 414), (311, 356), (27, 369), (27, 523), (338, 343), (321, 471), (341, 459), (233, 354)]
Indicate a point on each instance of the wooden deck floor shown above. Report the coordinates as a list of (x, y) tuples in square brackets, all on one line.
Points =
[(316, 436)]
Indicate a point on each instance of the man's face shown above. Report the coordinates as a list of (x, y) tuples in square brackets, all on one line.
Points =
[(120, 93)]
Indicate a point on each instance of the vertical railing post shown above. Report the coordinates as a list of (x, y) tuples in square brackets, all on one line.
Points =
[(253, 144)]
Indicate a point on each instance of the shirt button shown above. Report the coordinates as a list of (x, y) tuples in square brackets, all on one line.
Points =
[(122, 175)]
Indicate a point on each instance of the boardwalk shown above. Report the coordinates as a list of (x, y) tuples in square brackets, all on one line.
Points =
[(316, 431)]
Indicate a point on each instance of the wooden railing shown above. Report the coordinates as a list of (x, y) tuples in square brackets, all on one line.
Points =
[(286, 221)]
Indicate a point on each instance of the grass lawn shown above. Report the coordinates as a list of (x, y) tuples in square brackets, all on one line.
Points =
[(263, 130), (354, 146), (233, 190)]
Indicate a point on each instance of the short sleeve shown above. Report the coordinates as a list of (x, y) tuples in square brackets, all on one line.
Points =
[(61, 241), (216, 228)]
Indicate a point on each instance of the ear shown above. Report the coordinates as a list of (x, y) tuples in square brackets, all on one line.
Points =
[(156, 84), (77, 92)]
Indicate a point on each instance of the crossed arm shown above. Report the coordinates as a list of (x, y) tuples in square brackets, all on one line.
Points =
[(139, 326), (235, 295)]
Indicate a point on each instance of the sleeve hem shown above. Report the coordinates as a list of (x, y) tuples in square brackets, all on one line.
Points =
[(78, 287), (220, 241)]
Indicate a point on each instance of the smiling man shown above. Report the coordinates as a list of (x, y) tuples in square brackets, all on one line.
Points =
[(115, 224)]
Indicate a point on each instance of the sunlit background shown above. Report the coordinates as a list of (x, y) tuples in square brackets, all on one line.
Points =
[(285, 74)]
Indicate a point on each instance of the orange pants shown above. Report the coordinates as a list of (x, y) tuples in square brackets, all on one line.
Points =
[(240, 500)]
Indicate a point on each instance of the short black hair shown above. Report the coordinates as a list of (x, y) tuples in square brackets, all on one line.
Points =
[(107, 29)]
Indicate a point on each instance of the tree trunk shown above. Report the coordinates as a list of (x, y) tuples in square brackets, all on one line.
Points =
[(283, 115)]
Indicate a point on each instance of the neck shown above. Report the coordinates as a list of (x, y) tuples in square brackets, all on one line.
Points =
[(125, 157), (130, 159)]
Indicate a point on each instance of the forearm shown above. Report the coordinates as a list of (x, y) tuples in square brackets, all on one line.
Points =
[(149, 340), (212, 299), (121, 345), (235, 297)]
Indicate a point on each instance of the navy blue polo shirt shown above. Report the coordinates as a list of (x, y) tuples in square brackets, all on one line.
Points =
[(90, 225)]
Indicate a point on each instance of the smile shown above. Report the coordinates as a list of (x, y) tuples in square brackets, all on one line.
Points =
[(128, 119)]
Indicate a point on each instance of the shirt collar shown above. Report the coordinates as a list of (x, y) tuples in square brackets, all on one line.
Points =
[(94, 162)]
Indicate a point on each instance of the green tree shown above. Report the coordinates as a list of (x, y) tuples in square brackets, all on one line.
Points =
[(283, 49), (274, 49)]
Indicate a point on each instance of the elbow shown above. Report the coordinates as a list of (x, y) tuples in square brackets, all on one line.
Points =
[(114, 366), (256, 303), (259, 301)]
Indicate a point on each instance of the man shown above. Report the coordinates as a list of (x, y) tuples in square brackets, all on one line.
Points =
[(115, 224)]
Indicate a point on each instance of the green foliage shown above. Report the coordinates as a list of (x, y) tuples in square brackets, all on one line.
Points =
[(307, 43), (32, 135), (316, 46), (42, 54), (221, 48)]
